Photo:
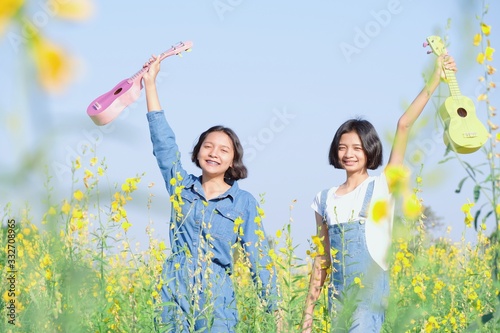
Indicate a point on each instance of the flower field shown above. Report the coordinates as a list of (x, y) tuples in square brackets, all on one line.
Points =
[(77, 272)]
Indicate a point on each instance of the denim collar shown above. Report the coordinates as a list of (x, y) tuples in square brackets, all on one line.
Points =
[(231, 192)]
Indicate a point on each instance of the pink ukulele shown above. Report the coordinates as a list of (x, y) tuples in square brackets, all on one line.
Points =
[(108, 106)]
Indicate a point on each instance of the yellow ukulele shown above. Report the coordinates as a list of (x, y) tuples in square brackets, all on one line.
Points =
[(463, 132)]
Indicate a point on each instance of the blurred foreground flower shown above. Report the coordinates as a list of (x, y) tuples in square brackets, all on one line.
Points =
[(53, 64), (8, 9), (397, 179)]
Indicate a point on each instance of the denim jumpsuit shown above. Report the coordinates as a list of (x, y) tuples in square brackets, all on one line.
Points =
[(197, 291), (359, 309)]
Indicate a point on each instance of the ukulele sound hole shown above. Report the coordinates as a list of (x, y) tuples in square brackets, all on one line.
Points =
[(117, 91), (462, 112)]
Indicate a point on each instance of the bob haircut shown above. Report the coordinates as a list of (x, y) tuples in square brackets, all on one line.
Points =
[(238, 170), (372, 146)]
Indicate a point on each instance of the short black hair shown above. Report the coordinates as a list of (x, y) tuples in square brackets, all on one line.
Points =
[(372, 146), (238, 170)]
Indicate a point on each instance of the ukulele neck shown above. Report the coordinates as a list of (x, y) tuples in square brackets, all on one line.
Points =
[(452, 83)]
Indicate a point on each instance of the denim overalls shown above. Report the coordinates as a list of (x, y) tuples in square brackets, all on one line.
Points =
[(359, 286), (197, 289)]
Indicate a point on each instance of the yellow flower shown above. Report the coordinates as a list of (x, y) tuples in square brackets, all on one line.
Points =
[(52, 211), (480, 58), (468, 216), (486, 29), (8, 9), (88, 174), (65, 207), (130, 184), (493, 126), (488, 53), (357, 281), (260, 234), (482, 97), (380, 210), (497, 208), (53, 64), (278, 233), (319, 245), (75, 10), (126, 225), (412, 207), (397, 178), (48, 274), (237, 222), (78, 163), (260, 211), (78, 195), (45, 261), (477, 39), (93, 161)]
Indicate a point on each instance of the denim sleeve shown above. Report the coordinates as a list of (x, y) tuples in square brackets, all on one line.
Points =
[(262, 265), (165, 149)]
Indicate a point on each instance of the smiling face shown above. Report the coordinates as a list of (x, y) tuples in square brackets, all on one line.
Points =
[(352, 156), (216, 154)]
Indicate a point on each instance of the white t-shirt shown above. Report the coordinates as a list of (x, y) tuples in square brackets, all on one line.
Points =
[(345, 208)]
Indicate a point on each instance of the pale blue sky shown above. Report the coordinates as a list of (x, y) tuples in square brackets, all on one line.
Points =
[(283, 74)]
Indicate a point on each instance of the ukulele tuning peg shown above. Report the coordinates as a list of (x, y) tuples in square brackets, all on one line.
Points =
[(430, 51), (425, 44), (188, 50), (179, 54)]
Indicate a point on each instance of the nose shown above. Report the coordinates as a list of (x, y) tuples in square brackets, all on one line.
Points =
[(212, 152), (349, 152)]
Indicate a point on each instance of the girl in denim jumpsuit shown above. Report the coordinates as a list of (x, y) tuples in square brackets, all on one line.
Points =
[(342, 218), (210, 214)]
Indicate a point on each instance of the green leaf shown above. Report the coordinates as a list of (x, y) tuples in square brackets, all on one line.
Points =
[(476, 217), (487, 215), (473, 170), (477, 192), (459, 188), (446, 160)]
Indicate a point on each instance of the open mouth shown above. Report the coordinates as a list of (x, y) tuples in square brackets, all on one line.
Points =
[(210, 162), (349, 162)]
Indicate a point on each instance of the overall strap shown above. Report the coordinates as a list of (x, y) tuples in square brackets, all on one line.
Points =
[(322, 203), (367, 199)]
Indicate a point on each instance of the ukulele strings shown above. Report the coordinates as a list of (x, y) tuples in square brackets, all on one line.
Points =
[(456, 94)]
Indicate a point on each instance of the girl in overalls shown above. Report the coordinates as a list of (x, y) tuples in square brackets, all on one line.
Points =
[(210, 214), (359, 285)]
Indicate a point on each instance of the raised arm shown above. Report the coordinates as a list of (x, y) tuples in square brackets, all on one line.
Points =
[(149, 78), (411, 114), (165, 147), (318, 275)]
